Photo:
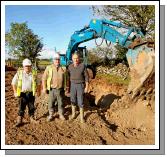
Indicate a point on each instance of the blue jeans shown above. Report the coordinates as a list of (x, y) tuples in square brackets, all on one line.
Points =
[(77, 94)]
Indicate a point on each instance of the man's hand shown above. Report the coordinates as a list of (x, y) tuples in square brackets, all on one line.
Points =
[(86, 88), (67, 94), (15, 95)]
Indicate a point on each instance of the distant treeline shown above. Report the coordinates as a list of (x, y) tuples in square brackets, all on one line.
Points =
[(18, 63)]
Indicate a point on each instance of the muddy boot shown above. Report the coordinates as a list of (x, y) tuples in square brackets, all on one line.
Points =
[(33, 120), (50, 117), (73, 112), (61, 116), (82, 120), (19, 121)]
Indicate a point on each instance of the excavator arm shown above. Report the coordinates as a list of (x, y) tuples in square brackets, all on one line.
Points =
[(140, 57), (99, 29)]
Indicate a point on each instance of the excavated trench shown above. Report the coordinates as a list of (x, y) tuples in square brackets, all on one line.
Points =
[(112, 117)]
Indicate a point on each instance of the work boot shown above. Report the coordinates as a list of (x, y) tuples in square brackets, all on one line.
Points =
[(50, 117), (33, 120), (19, 121), (82, 120), (73, 112), (61, 116)]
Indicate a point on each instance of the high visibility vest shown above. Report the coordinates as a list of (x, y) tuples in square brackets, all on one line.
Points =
[(20, 78), (49, 78)]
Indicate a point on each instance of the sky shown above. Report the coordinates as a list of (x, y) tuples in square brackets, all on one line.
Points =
[(53, 23)]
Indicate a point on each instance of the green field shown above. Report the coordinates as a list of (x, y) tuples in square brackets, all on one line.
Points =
[(44, 62), (113, 79)]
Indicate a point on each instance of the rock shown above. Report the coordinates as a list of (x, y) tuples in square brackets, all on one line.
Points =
[(126, 106), (119, 70)]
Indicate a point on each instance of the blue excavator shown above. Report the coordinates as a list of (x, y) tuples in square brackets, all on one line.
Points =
[(140, 54)]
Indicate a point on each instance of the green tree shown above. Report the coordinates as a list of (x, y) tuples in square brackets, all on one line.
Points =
[(101, 55), (30, 46), (142, 16), (21, 42), (93, 58), (121, 54)]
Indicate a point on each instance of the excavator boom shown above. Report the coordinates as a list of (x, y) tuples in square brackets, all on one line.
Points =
[(140, 56)]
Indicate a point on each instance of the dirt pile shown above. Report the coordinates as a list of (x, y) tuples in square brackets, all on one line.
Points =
[(111, 118), (128, 119), (9, 68)]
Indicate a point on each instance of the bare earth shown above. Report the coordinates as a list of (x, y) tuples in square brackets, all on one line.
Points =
[(112, 118)]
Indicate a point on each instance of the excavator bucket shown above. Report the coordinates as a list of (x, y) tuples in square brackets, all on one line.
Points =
[(141, 59)]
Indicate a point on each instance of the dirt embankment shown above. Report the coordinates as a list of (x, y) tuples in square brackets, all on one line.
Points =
[(111, 118)]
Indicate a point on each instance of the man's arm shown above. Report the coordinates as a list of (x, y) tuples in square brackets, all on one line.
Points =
[(86, 81), (86, 87), (67, 75), (14, 89), (14, 84)]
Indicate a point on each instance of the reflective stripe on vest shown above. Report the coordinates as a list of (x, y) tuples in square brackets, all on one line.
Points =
[(20, 78), (49, 77), (34, 80), (19, 84)]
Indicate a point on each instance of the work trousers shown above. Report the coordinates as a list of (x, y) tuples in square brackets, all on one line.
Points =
[(26, 99), (56, 97), (77, 94)]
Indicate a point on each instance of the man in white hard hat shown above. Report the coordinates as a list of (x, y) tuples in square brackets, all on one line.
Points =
[(25, 85), (53, 80)]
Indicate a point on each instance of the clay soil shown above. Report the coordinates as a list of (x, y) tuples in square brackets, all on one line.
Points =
[(112, 118)]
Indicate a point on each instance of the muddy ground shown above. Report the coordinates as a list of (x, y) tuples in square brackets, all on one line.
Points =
[(112, 118)]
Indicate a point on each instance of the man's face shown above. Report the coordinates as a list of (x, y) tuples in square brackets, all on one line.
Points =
[(75, 59), (56, 62), (27, 68)]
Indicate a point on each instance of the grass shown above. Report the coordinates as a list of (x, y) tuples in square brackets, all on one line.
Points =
[(41, 62), (44, 62), (113, 79)]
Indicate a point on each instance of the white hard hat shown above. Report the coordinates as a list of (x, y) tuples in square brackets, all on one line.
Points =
[(27, 62), (56, 56)]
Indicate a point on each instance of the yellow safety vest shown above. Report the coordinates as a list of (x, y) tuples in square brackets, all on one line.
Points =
[(49, 78), (20, 78)]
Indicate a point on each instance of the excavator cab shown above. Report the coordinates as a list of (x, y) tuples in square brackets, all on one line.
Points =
[(82, 51)]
